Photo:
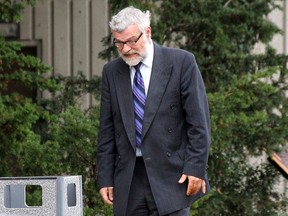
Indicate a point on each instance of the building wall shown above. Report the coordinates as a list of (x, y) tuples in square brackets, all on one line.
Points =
[(280, 18), (70, 34)]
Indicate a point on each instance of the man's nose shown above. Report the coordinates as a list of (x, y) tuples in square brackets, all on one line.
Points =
[(126, 48)]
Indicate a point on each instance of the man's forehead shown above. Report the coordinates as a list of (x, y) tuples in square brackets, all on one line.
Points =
[(130, 31)]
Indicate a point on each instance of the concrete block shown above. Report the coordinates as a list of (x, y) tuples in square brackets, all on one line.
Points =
[(61, 196)]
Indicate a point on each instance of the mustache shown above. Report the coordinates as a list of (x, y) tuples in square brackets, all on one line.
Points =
[(130, 52)]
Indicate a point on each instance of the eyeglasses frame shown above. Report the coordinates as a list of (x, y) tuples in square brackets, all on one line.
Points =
[(120, 44)]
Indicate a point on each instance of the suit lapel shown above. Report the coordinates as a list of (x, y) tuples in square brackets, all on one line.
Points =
[(125, 99), (161, 73)]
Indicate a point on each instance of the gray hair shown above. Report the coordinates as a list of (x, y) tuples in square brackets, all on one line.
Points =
[(130, 16)]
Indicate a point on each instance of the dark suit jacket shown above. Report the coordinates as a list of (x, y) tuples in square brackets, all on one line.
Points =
[(176, 129)]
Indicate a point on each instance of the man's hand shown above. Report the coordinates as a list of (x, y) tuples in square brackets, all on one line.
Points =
[(194, 184), (107, 194)]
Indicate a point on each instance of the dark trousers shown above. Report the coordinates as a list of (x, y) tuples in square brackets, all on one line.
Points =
[(141, 201)]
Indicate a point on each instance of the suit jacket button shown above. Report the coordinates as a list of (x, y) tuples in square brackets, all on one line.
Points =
[(118, 135), (168, 154), (172, 106), (169, 130)]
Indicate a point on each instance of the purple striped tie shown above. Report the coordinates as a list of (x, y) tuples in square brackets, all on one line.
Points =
[(139, 103)]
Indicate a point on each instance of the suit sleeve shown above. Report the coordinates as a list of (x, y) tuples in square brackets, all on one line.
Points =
[(197, 116), (106, 142)]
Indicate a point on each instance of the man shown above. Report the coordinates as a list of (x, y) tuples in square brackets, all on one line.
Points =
[(154, 124)]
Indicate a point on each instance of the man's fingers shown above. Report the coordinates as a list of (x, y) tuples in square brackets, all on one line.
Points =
[(203, 186), (182, 179), (195, 185), (107, 194), (110, 193)]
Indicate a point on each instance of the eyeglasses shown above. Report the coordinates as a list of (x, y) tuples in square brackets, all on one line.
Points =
[(120, 44)]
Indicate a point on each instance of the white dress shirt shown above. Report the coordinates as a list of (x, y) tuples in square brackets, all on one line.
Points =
[(145, 70)]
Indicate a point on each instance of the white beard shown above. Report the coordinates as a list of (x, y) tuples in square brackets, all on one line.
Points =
[(135, 60), (132, 61)]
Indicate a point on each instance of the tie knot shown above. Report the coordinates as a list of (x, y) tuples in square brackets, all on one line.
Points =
[(137, 67)]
